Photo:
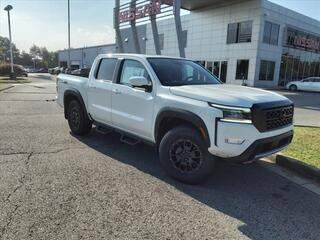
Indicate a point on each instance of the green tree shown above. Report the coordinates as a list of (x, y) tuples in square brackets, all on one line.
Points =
[(5, 50), (42, 56), (46, 58), (25, 59)]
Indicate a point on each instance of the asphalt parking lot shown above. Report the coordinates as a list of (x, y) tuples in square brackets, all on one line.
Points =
[(54, 185), (307, 107)]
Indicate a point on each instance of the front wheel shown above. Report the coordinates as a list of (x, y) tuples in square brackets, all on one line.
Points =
[(293, 88), (184, 155), (78, 120)]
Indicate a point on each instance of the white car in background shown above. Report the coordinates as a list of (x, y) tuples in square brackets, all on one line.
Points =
[(307, 84)]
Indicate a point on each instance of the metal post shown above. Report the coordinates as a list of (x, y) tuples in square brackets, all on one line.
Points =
[(155, 33), (11, 54), (117, 27), (69, 34), (134, 30), (176, 11)]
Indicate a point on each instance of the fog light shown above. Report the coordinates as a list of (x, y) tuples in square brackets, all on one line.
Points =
[(236, 141)]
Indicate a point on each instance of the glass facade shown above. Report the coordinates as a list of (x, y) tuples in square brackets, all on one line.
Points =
[(300, 56), (298, 64)]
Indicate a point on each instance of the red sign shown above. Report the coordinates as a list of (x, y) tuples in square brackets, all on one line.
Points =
[(134, 13), (302, 41)]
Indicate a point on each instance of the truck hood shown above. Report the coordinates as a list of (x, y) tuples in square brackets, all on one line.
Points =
[(224, 94)]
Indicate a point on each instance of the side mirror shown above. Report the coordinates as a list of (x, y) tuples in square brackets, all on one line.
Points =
[(140, 82)]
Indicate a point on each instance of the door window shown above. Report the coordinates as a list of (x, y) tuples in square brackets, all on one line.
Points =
[(132, 68), (106, 69)]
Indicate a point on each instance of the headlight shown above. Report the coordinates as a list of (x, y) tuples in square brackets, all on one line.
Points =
[(234, 114)]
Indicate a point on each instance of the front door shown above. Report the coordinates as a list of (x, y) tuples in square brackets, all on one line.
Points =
[(99, 91), (132, 109)]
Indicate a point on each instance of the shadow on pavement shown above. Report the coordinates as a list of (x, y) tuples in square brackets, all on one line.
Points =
[(41, 76), (269, 206)]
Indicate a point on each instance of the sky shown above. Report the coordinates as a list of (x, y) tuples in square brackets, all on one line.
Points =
[(44, 22)]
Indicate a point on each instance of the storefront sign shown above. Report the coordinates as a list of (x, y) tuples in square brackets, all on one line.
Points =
[(306, 41), (134, 13)]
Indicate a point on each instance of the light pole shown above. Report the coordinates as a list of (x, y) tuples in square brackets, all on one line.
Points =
[(69, 34), (8, 8)]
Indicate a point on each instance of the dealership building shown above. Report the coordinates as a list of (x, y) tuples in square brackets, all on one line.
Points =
[(252, 41)]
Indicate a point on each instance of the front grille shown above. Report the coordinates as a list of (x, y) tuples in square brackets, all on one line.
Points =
[(271, 116), (279, 117)]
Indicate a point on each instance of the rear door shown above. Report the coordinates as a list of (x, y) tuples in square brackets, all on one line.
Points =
[(305, 84), (99, 91), (132, 108), (316, 84)]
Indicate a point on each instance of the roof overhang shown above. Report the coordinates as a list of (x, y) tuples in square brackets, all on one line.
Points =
[(197, 4)]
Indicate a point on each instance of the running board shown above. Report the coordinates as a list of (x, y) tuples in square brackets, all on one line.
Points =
[(103, 130), (129, 140)]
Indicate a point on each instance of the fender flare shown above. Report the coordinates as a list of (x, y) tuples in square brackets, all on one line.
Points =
[(194, 119), (74, 93)]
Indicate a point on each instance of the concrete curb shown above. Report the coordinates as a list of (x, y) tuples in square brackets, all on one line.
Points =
[(306, 126), (6, 88), (298, 167)]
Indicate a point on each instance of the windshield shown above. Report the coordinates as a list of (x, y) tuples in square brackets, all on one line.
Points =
[(179, 72)]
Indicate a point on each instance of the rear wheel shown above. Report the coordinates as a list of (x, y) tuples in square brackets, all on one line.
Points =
[(293, 88), (78, 120), (184, 155)]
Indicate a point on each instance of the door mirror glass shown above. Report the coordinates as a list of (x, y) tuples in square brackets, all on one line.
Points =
[(140, 82)]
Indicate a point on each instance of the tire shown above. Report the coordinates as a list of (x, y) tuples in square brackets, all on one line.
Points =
[(178, 163), (293, 88), (78, 120)]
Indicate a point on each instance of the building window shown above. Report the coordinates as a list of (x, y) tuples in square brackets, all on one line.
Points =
[(271, 33), (161, 40), (239, 32), (266, 70), (202, 63), (242, 69)]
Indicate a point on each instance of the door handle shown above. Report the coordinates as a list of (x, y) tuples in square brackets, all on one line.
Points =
[(116, 91)]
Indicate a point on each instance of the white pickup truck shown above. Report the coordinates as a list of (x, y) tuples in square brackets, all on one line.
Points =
[(181, 108)]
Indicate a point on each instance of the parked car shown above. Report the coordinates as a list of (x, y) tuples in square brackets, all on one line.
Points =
[(19, 70), (67, 71), (42, 70), (83, 72), (51, 70), (22, 71), (307, 84), (58, 70), (179, 107)]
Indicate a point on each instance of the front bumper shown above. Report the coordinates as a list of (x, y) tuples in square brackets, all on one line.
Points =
[(263, 147)]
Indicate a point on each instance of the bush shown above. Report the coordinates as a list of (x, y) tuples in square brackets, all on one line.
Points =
[(5, 70)]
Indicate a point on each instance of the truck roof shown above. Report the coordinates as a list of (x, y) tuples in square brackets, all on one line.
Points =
[(142, 56)]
